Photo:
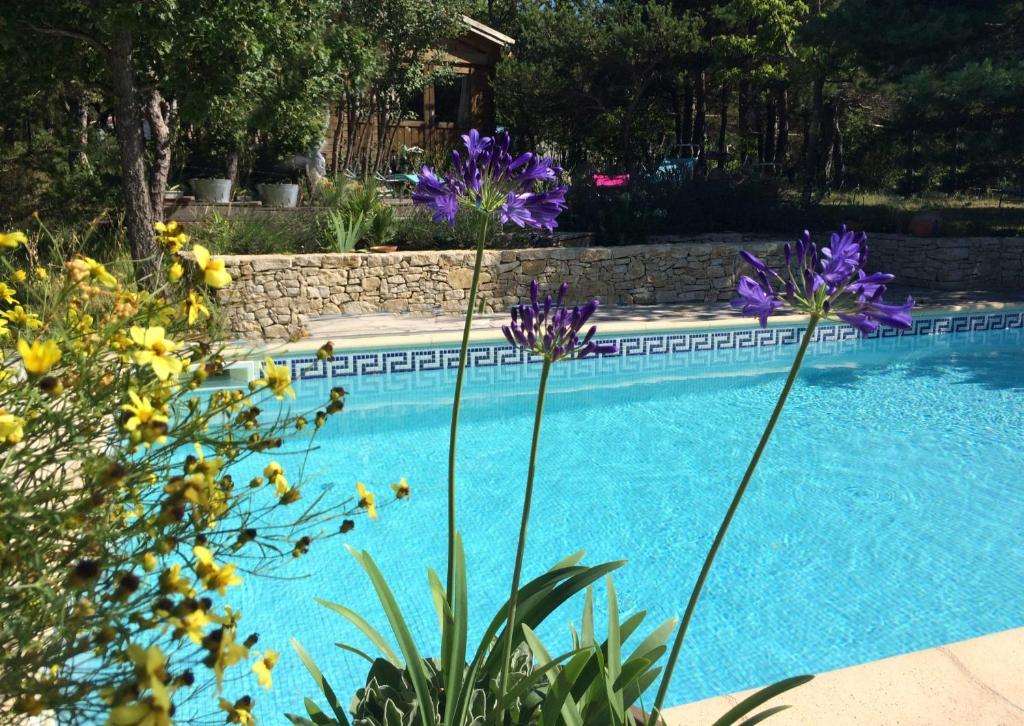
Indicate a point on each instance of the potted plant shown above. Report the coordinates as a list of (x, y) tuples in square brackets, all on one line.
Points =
[(211, 190), (279, 194), (382, 229), (173, 193)]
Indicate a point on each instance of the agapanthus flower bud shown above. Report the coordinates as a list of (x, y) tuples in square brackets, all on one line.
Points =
[(488, 179), (553, 331), (830, 283)]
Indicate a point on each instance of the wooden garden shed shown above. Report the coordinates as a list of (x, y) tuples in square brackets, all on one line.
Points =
[(443, 111)]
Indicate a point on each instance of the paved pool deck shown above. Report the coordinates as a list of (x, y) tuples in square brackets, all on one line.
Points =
[(977, 681), (396, 330)]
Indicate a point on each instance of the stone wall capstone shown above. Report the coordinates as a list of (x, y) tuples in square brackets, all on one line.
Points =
[(274, 295)]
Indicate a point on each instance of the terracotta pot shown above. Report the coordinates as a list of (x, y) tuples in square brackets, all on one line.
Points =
[(926, 224), (381, 249)]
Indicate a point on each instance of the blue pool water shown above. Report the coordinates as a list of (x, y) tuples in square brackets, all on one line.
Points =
[(885, 517)]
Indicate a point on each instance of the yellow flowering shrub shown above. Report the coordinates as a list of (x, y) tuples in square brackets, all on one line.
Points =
[(122, 534)]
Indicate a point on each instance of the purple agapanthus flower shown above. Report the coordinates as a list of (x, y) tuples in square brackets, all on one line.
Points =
[(487, 178), (823, 283), (551, 330)]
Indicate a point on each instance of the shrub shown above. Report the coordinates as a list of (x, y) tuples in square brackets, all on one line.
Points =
[(122, 532)]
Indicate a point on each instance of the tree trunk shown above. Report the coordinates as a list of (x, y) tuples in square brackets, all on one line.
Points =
[(339, 118), (771, 121), (826, 145), (80, 138), (813, 158), (138, 212), (760, 123), (158, 112), (677, 113), (700, 109), (838, 152), (723, 123), (687, 120), (782, 137), (743, 119)]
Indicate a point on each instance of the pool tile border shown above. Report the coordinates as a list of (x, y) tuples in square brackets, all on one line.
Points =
[(367, 363)]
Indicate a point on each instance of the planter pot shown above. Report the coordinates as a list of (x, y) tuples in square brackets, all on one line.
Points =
[(382, 249), (926, 224), (279, 195), (212, 190), (173, 196)]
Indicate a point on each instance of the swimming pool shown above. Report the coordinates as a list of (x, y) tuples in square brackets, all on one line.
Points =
[(885, 516)]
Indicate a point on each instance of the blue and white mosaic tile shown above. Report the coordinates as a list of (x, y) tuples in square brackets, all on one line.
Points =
[(731, 342)]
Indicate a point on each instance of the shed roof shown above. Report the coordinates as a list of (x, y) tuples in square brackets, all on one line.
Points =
[(487, 32)]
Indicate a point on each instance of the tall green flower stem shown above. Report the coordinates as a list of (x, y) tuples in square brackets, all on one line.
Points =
[(523, 524), (751, 468), (456, 403)]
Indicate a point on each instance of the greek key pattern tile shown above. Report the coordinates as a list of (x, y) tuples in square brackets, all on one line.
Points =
[(730, 342)]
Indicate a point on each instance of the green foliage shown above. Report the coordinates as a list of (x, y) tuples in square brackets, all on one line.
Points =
[(382, 227), (449, 689), (599, 685), (41, 178), (345, 230), (417, 231), (396, 50), (123, 531), (583, 76), (259, 234)]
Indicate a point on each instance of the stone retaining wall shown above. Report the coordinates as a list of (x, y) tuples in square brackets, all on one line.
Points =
[(274, 295), (968, 263)]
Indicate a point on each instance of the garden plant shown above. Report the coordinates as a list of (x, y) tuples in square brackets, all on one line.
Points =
[(512, 678), (125, 536)]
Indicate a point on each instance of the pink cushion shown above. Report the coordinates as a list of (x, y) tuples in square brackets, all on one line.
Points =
[(611, 180)]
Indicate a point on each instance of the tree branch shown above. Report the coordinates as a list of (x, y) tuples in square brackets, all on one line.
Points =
[(73, 34)]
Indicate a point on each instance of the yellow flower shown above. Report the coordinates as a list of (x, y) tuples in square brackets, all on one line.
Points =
[(151, 672), (140, 713), (367, 500), (240, 711), (277, 378), (272, 469), (147, 422), (12, 239), (213, 270), (11, 427), (175, 271), (156, 351), (7, 293), (19, 275), (263, 666), (41, 273), (149, 562), (99, 273), (193, 625), (401, 489), (171, 581), (19, 316), (213, 576), (38, 358), (171, 236), (227, 653), (193, 307)]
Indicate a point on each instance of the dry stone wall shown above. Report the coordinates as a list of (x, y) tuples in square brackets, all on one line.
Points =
[(274, 295), (968, 263)]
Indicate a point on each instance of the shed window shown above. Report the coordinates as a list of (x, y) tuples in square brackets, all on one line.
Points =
[(451, 101), (412, 109)]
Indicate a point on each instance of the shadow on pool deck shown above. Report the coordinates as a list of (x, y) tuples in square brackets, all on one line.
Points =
[(370, 325)]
